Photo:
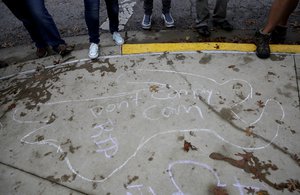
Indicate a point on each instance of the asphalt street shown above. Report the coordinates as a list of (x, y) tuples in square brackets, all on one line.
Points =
[(245, 15)]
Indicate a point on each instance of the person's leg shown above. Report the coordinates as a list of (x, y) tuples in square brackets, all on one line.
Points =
[(219, 15), (112, 7), (91, 13), (45, 22), (166, 6), (291, 7), (202, 13), (166, 14), (220, 10), (279, 13), (147, 17), (148, 6), (279, 32), (17, 8), (202, 17)]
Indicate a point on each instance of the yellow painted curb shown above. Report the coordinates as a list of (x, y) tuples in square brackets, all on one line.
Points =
[(213, 46)]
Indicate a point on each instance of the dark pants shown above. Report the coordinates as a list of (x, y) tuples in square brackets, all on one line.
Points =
[(148, 6), (92, 17), (37, 21)]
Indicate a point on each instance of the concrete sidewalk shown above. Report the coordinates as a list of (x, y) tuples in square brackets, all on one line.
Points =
[(163, 123)]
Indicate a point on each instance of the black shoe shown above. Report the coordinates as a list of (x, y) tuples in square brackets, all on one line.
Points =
[(278, 34), (225, 25), (64, 49), (262, 44), (204, 31)]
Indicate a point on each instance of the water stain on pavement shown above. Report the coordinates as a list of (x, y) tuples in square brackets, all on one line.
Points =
[(38, 88), (248, 59), (53, 179), (226, 114), (259, 169), (277, 57), (179, 57), (205, 59), (65, 178)]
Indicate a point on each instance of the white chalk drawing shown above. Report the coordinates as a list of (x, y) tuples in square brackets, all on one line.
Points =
[(1, 126), (102, 134), (139, 188), (205, 166), (112, 149), (238, 185)]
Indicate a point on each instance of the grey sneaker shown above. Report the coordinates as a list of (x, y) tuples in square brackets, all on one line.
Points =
[(168, 19), (146, 23), (262, 44)]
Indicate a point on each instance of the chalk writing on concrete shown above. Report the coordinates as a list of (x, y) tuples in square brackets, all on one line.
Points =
[(146, 104), (241, 188)]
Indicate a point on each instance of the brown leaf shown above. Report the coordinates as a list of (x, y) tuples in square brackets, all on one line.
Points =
[(187, 146), (153, 88), (249, 131), (250, 190), (262, 192), (219, 191), (260, 104), (12, 106), (217, 46)]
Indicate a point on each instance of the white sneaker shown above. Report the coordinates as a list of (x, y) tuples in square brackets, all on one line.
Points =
[(117, 38), (93, 51)]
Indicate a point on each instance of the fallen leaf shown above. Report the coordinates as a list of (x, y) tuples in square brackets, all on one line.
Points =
[(250, 190), (217, 46), (248, 131), (187, 146), (260, 104), (262, 192), (153, 88)]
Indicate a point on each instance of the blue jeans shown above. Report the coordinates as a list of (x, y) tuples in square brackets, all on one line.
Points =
[(37, 21), (92, 17)]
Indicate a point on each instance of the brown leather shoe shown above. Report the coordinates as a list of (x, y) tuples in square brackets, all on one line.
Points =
[(41, 52), (64, 49)]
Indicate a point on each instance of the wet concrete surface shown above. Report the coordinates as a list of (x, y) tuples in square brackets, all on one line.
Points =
[(170, 123), (245, 15)]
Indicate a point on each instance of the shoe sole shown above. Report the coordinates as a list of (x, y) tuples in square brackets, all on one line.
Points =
[(46, 54), (119, 44), (146, 27), (93, 57), (169, 25)]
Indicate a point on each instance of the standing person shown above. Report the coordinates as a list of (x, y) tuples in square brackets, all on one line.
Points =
[(40, 26), (276, 26), (92, 21), (219, 16), (166, 15)]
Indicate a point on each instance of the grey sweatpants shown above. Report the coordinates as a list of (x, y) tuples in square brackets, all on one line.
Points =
[(219, 14)]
